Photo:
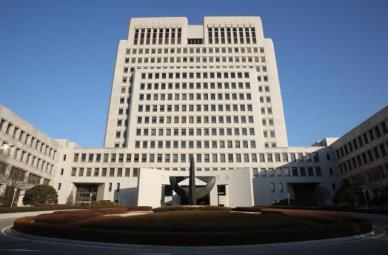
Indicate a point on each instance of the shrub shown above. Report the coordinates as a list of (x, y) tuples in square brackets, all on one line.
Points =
[(138, 208), (248, 209), (103, 203), (284, 202), (107, 210), (40, 194)]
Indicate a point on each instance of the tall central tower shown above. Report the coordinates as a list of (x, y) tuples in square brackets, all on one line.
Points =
[(194, 87)]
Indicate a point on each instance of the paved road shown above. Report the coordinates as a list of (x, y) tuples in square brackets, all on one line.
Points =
[(24, 244)]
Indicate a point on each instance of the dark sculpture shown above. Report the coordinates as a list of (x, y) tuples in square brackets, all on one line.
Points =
[(193, 194)]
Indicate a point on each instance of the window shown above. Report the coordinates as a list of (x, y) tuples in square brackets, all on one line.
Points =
[(384, 127), (318, 171), (310, 171), (286, 171), (221, 190), (294, 171), (269, 157), (263, 172), (272, 187), (255, 172), (262, 157), (135, 172)]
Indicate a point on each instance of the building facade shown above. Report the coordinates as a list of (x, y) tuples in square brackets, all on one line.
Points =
[(209, 91), (362, 155)]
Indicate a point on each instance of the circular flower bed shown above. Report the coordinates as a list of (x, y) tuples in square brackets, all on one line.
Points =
[(194, 227)]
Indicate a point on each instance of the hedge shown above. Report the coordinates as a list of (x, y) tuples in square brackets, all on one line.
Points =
[(171, 208), (64, 207), (192, 238), (342, 208)]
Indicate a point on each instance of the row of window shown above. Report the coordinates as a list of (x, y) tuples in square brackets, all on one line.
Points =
[(198, 96), (196, 75), (196, 50), (137, 158), (23, 136), (198, 59), (363, 139), (195, 120), (19, 174), (104, 172), (147, 36), (123, 144), (197, 85), (198, 108), (194, 131), (216, 35), (363, 158), (195, 144), (234, 35), (308, 171), (289, 171), (29, 159)]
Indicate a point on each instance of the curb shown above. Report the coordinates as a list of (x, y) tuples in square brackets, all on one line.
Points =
[(15, 215)]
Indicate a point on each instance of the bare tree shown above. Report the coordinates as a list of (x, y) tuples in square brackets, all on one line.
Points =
[(14, 181), (70, 199)]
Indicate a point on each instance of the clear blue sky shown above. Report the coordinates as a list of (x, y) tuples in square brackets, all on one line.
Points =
[(57, 59)]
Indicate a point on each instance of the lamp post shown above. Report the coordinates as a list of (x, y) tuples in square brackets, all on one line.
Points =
[(288, 199), (91, 195), (13, 196)]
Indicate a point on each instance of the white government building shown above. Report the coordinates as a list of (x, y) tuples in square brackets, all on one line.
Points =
[(210, 91)]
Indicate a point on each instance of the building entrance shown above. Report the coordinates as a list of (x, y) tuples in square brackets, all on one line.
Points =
[(86, 193)]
